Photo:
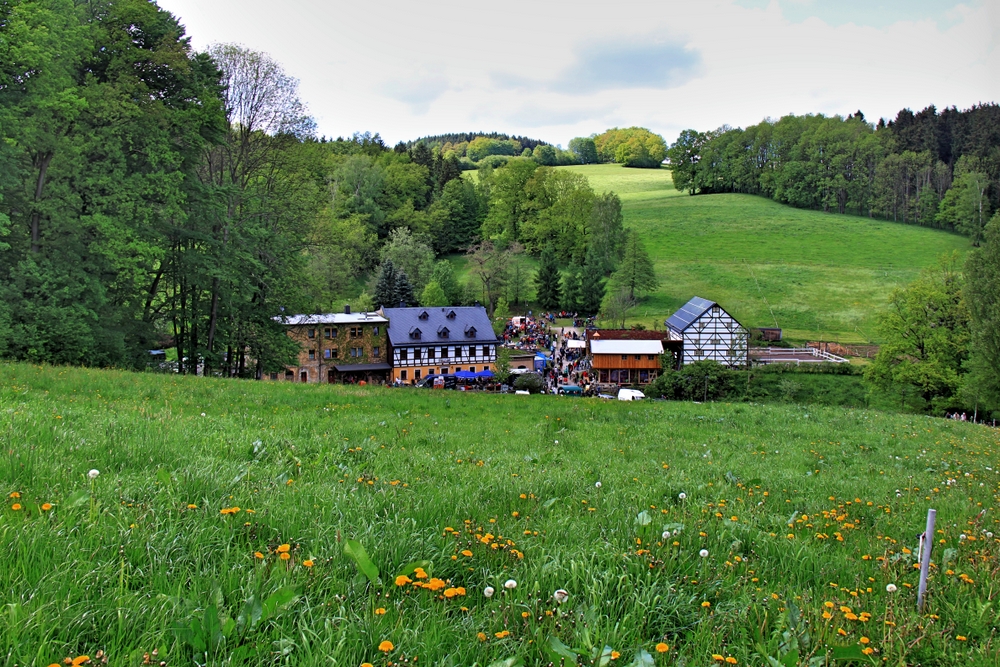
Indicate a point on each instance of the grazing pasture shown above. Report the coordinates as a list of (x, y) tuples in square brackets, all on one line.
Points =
[(243, 523), (816, 275)]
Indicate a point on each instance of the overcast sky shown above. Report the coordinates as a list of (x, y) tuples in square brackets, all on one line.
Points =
[(556, 70)]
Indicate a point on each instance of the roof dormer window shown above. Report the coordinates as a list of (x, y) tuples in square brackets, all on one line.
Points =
[(443, 332), (415, 333), (423, 315), (471, 332), (451, 315)]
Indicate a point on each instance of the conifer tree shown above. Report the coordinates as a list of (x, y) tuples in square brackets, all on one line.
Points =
[(404, 289), (591, 284), (385, 288), (636, 272), (571, 289), (547, 280)]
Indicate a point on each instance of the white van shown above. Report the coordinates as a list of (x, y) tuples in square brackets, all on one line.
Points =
[(630, 395)]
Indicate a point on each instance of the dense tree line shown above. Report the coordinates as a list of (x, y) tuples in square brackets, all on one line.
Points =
[(154, 196), (933, 169), (631, 147)]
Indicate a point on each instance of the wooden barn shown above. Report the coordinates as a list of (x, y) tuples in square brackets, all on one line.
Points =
[(709, 332)]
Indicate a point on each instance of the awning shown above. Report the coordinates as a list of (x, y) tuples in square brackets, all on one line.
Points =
[(359, 368), (484, 374), (468, 375), (576, 344)]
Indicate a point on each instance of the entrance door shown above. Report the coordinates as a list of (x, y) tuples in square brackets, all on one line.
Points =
[(330, 375), (303, 376)]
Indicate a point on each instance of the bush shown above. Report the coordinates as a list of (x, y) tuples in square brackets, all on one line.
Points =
[(530, 382)]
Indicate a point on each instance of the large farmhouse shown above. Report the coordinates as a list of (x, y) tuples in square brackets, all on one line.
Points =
[(709, 332), (427, 341), (338, 347)]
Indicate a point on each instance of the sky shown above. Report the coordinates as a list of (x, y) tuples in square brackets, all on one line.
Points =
[(556, 70)]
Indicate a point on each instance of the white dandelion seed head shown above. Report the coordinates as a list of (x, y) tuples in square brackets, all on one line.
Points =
[(963, 537), (488, 591), (682, 495), (557, 442), (510, 584), (561, 595), (666, 535), (989, 534), (202, 414), (94, 472), (890, 588), (703, 553), (597, 484)]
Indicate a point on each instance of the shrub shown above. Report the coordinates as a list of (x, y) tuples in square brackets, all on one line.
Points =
[(530, 382)]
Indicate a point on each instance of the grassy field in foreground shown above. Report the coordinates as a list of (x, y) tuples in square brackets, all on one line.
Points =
[(227, 522), (815, 275)]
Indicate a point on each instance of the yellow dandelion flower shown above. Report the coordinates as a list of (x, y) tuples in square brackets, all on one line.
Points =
[(16, 507), (961, 638), (192, 506), (615, 655), (380, 611), (865, 640), (717, 657), (308, 562), (481, 636), (284, 555), (14, 494), (402, 580), (662, 648), (731, 660), (466, 553), (258, 555), (706, 603), (386, 646), (284, 548), (46, 507)]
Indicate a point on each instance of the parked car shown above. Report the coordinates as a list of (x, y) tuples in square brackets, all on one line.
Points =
[(630, 395), (570, 390), (450, 381)]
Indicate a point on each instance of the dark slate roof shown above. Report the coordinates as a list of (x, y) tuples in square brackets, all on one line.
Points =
[(459, 321), (688, 313)]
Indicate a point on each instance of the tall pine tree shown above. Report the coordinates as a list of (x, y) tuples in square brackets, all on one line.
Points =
[(591, 284), (636, 274), (547, 280), (404, 290), (385, 288), (571, 289)]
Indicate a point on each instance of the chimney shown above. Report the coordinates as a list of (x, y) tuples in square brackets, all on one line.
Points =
[(402, 304), (347, 309)]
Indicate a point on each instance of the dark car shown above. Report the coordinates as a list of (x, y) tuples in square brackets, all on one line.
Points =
[(450, 381)]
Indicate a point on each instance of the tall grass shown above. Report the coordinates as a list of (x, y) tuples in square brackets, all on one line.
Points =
[(796, 507)]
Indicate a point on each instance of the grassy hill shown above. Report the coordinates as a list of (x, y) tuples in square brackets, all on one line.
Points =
[(815, 275), (223, 520)]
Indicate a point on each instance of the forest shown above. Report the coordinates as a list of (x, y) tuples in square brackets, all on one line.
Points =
[(933, 169), (152, 196)]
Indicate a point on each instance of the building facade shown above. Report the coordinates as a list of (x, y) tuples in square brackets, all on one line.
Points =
[(709, 332), (625, 361), (338, 348), (429, 341)]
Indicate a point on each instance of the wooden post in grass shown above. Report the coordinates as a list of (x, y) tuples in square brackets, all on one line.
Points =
[(925, 559)]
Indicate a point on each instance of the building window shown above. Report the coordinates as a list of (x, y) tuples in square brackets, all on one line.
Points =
[(638, 357), (624, 356), (416, 374), (444, 370), (451, 352), (326, 332), (289, 376), (472, 369), (326, 354), (375, 351), (698, 352), (274, 376), (402, 375), (651, 357), (431, 352), (311, 333), (356, 332), (333, 353), (374, 331), (357, 352), (430, 371), (312, 355)]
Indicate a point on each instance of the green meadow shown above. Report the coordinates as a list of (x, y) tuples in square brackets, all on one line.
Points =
[(818, 276), (242, 523)]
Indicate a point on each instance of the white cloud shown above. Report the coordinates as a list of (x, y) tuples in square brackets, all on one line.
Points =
[(557, 70)]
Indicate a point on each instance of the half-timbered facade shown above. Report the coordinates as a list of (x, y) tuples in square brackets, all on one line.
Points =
[(429, 341), (709, 332)]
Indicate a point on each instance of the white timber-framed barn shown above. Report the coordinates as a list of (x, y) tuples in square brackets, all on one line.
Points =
[(709, 332)]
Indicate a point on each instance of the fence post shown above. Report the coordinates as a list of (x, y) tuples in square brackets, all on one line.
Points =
[(925, 558)]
